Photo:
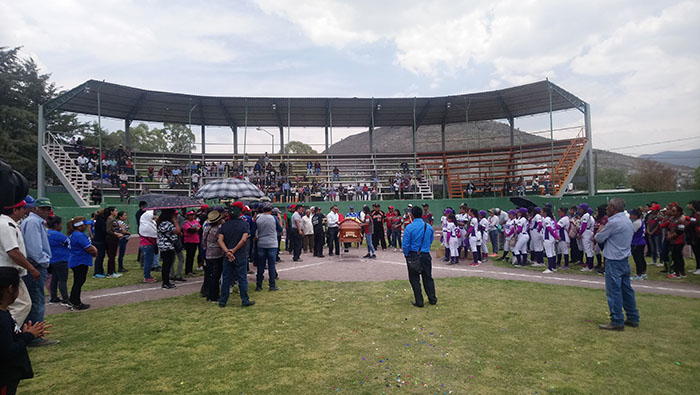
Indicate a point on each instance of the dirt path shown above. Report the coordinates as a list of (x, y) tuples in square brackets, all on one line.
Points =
[(388, 266)]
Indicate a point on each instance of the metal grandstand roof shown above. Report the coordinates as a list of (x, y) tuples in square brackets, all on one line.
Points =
[(134, 104)]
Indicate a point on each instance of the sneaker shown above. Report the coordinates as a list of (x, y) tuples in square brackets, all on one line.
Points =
[(99, 276), (635, 277), (373, 257), (54, 301), (673, 275), (66, 303), (272, 289), (659, 264), (681, 275), (564, 267), (180, 279), (114, 275), (644, 276), (696, 272), (122, 270), (537, 264), (258, 289), (149, 280), (547, 271), (586, 269), (394, 249), (81, 306)]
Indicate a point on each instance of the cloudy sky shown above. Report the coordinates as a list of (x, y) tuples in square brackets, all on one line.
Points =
[(636, 62)]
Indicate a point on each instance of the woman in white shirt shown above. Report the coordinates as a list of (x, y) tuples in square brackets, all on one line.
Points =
[(520, 250), (563, 243), (509, 233), (550, 240), (474, 236)]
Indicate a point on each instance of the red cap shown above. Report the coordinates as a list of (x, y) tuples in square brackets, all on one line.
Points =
[(20, 204), (239, 205), (655, 207), (190, 213), (293, 206), (204, 206)]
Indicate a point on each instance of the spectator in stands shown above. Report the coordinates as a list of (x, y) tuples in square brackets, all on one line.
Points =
[(124, 193), (336, 174), (124, 230), (195, 181), (60, 253), (469, 188), (536, 185), (546, 180), (83, 162), (317, 168), (404, 167), (365, 192), (487, 187), (309, 168), (506, 187)]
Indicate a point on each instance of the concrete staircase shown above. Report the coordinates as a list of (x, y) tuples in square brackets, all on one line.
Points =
[(74, 180), (425, 189)]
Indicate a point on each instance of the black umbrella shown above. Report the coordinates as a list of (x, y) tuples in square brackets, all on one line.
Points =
[(157, 201), (522, 202), (229, 188)]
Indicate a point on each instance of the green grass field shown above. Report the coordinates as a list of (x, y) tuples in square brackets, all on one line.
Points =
[(484, 336)]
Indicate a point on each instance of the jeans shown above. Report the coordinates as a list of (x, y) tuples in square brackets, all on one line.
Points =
[(239, 270), (37, 294), (148, 253), (266, 256), (335, 177), (428, 283), (370, 246), (493, 236), (396, 237), (122, 250), (59, 276), (79, 274), (655, 247), (619, 292), (99, 259)]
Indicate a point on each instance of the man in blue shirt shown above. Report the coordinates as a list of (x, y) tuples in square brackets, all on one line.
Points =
[(36, 240), (616, 238), (417, 238)]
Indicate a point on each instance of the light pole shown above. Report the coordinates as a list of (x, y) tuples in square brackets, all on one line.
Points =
[(272, 149), (189, 115)]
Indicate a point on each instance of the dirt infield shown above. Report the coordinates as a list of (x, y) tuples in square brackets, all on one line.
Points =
[(388, 266)]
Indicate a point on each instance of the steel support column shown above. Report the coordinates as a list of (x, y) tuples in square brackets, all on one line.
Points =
[(551, 137), (589, 154), (204, 139), (234, 129), (326, 133), (511, 121), (281, 139), (127, 133), (40, 176), (371, 130)]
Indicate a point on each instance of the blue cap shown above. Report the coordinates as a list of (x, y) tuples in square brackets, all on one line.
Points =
[(352, 207), (29, 200)]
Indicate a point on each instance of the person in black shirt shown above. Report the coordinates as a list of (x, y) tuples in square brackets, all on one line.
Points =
[(233, 238), (378, 217), (14, 359), (317, 222)]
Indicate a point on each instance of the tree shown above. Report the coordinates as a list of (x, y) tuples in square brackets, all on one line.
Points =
[(653, 176), (297, 147), (610, 178), (22, 89), (696, 185)]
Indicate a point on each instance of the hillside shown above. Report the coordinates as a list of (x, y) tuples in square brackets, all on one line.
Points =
[(491, 134), (689, 158)]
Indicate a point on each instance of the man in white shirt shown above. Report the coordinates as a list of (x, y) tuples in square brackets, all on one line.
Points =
[(332, 221), (14, 254)]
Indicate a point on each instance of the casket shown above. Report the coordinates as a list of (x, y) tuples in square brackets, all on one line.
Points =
[(349, 231)]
